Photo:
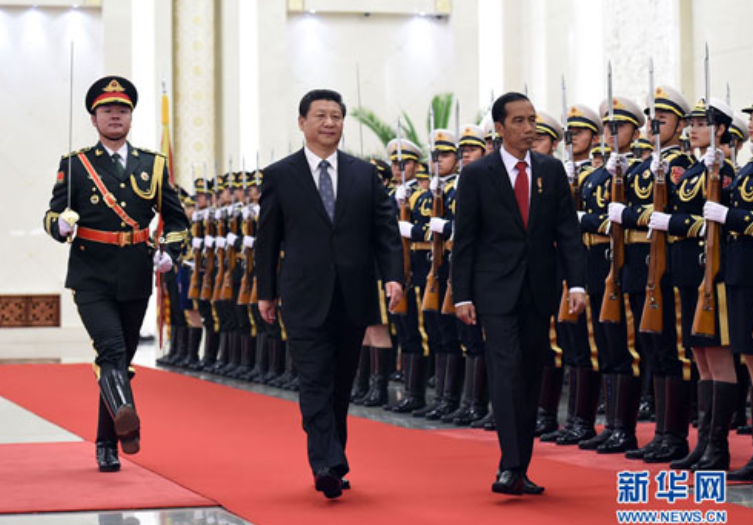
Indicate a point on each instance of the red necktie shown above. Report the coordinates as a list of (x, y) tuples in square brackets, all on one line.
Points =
[(521, 191)]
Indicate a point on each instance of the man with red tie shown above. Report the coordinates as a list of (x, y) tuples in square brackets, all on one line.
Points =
[(514, 208)]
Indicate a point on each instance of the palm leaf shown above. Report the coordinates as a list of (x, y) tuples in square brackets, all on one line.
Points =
[(410, 130), (442, 106), (381, 129)]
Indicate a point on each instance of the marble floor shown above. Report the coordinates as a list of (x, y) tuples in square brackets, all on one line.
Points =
[(71, 346)]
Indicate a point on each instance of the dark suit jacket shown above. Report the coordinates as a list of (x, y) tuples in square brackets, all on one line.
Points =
[(125, 272), (319, 253), (493, 253)]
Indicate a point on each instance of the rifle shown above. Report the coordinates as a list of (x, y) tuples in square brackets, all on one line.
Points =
[(402, 306), (194, 289), (704, 321), (244, 295), (448, 305), (431, 295), (220, 255), (210, 230), (611, 305), (564, 315), (652, 319), (226, 293)]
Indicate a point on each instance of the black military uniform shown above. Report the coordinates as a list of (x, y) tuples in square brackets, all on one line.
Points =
[(110, 264)]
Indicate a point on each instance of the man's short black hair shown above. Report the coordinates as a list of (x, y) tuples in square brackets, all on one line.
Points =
[(499, 109), (319, 94)]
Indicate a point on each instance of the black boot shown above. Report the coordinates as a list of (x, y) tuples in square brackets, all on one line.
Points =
[(194, 343), (234, 358), (440, 374), (572, 389), (549, 401), (674, 443), (628, 396), (716, 455), (170, 357), (378, 393), (609, 394), (287, 375), (740, 417), (362, 381), (276, 360), (479, 394), (405, 363), (451, 390), (490, 423), (211, 347), (660, 405), (744, 473), (465, 404), (115, 388), (415, 385), (223, 354), (261, 358), (246, 356), (746, 429), (705, 400), (646, 410), (587, 399)]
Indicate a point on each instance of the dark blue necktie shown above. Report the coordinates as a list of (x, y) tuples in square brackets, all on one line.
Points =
[(119, 169), (326, 190)]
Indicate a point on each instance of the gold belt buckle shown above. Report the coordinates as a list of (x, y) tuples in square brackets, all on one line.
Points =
[(124, 239)]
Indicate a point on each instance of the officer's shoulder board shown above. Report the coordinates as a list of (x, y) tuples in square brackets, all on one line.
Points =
[(150, 152), (74, 153)]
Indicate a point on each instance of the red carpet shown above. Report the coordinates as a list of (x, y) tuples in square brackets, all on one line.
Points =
[(57, 477), (247, 452)]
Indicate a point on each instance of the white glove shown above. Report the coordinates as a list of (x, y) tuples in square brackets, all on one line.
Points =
[(246, 213), (615, 211), (231, 238), (657, 163), (196, 243), (434, 184), (406, 229), (196, 217), (659, 221), (221, 243), (218, 214), (713, 156), (189, 264), (255, 209), (616, 160), (209, 242), (162, 262), (64, 228), (248, 241), (437, 225), (713, 211), (580, 216), (400, 194), (570, 170)]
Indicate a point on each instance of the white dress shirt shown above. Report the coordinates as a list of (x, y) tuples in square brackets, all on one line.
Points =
[(123, 152), (314, 160)]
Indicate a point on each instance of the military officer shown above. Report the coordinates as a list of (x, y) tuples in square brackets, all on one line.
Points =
[(115, 189), (619, 365), (717, 387), (670, 369)]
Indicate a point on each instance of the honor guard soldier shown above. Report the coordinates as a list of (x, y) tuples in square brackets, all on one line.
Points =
[(585, 128), (449, 356), (104, 198), (598, 154), (669, 369), (474, 405), (738, 220), (412, 330), (618, 365), (548, 134), (491, 137), (684, 222), (642, 148)]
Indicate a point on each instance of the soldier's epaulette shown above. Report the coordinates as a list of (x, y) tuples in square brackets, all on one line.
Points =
[(156, 153), (585, 172), (450, 185), (73, 153), (728, 163), (415, 196)]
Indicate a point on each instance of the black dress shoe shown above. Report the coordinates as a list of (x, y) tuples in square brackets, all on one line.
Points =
[(509, 482), (529, 487), (346, 484), (107, 457), (329, 483), (745, 473)]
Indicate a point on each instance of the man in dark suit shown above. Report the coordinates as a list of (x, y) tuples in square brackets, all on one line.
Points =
[(336, 222), (513, 210)]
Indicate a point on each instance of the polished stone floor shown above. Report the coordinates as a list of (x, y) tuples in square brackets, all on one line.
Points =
[(21, 426)]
